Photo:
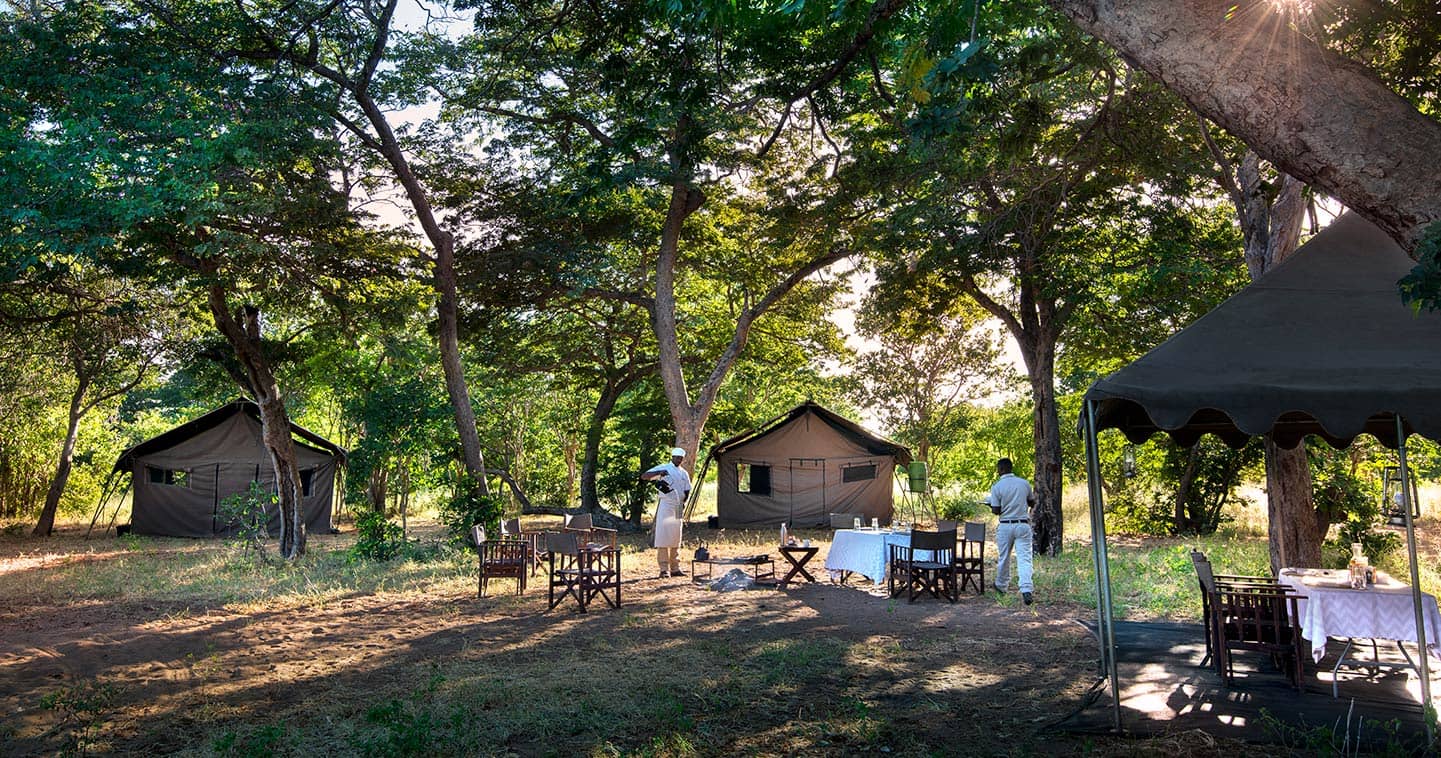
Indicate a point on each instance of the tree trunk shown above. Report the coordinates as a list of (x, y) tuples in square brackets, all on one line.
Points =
[(1046, 518), (46, 524), (1321, 118), (242, 331), (604, 406), (1295, 538), (1184, 494), (448, 336)]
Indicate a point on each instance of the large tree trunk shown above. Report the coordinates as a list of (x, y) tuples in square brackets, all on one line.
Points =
[(46, 524), (448, 336), (1317, 116), (604, 406), (1046, 518), (1295, 534), (242, 331)]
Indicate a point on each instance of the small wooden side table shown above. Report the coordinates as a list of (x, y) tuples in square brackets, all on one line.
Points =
[(798, 557)]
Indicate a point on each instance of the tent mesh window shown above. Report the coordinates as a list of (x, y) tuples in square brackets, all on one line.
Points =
[(753, 478), (173, 477), (858, 473), (306, 477)]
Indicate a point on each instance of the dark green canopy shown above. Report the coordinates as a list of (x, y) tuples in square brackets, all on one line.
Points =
[(1321, 344)]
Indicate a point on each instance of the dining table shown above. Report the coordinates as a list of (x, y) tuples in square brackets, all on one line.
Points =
[(1385, 611), (863, 551)]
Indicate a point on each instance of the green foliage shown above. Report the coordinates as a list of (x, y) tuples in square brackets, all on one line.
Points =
[(1422, 287), (246, 515), (257, 742), (960, 506), (1343, 738), (1343, 494), (418, 726), (466, 508), (1207, 475), (1139, 509), (377, 539)]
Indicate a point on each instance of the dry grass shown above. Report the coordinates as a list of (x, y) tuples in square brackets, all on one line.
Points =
[(187, 646)]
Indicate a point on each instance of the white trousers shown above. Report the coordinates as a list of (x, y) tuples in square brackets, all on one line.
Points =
[(1015, 537)]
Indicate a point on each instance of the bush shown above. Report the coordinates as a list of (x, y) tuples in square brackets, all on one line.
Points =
[(379, 540), (466, 508), (1140, 510), (960, 506), (247, 513)]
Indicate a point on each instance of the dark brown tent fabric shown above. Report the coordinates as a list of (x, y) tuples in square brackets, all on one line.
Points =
[(803, 466), (1322, 344), (180, 477)]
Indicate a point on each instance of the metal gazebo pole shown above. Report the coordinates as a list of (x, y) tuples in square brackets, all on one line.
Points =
[(1106, 626), (1415, 575)]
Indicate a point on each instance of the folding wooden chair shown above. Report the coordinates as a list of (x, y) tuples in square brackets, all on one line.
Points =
[(928, 564)]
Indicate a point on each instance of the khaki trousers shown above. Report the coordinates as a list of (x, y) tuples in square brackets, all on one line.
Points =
[(668, 558)]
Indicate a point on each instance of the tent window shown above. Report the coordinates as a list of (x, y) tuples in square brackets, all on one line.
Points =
[(172, 477), (753, 478), (858, 473), (306, 477)]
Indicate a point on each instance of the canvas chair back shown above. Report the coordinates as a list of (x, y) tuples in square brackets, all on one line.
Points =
[(510, 528), (580, 521), (477, 535)]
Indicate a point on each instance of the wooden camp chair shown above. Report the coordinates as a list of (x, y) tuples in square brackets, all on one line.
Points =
[(581, 573), (499, 559), (928, 564), (510, 529), (1256, 618), (1209, 582)]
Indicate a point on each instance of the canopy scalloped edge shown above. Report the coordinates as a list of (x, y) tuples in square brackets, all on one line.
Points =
[(1287, 430)]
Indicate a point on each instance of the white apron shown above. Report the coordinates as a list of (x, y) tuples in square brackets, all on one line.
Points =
[(667, 524)]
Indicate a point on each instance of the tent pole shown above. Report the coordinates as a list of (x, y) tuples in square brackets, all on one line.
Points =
[(1102, 560), (116, 513), (105, 492), (1416, 595)]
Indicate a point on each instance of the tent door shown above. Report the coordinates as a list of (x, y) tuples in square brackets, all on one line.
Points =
[(807, 476)]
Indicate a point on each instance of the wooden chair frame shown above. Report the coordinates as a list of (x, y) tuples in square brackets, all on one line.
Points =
[(581, 573), (935, 573), (500, 559), (1208, 582), (1259, 619)]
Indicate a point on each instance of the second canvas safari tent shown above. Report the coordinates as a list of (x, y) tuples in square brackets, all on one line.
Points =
[(803, 466)]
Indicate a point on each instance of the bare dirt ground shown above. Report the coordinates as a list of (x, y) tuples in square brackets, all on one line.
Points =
[(430, 669)]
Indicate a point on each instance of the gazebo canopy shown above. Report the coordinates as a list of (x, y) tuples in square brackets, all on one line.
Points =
[(1321, 344)]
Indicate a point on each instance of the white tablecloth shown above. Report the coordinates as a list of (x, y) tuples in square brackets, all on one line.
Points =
[(864, 551), (1384, 611)]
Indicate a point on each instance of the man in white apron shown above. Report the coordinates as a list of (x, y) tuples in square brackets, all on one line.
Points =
[(674, 489)]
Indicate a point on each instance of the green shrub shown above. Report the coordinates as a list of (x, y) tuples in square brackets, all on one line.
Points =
[(1140, 510), (960, 506), (466, 508), (247, 513), (378, 539)]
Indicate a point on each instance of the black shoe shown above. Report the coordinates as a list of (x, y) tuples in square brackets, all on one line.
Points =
[(1026, 596)]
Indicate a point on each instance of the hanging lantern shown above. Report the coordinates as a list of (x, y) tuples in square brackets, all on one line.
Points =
[(1393, 499), (1128, 461)]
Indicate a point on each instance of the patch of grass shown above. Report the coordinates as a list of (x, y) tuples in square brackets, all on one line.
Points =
[(253, 742)]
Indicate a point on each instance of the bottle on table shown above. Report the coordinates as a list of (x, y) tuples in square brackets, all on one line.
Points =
[(784, 535), (1358, 568)]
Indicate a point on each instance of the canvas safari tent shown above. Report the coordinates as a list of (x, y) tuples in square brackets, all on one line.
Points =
[(180, 477), (803, 466), (1320, 345)]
